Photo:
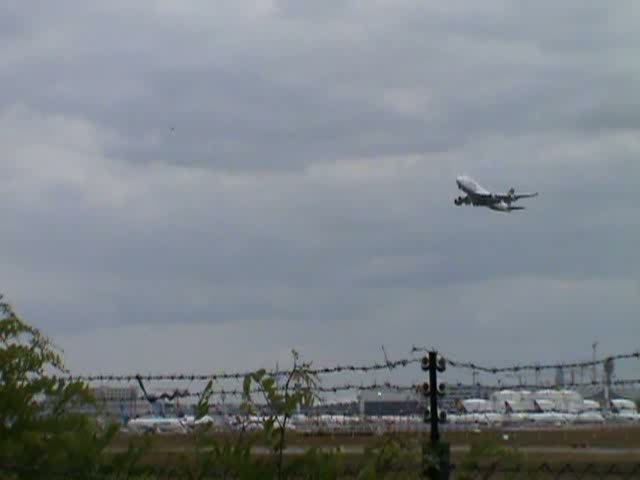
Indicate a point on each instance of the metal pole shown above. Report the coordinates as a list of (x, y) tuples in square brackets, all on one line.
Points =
[(433, 397), (436, 454), (593, 346)]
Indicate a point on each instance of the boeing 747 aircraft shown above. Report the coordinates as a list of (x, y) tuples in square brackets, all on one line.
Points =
[(478, 196)]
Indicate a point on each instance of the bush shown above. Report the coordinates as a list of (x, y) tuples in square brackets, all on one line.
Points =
[(38, 430), (44, 434)]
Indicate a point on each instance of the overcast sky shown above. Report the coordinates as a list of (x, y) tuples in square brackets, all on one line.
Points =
[(202, 185)]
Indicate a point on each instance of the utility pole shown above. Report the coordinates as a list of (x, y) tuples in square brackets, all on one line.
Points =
[(435, 454), (593, 346), (474, 382)]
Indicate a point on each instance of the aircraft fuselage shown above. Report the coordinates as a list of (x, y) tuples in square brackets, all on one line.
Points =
[(478, 196)]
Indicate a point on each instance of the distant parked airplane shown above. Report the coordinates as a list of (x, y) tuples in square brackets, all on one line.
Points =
[(159, 424), (478, 196)]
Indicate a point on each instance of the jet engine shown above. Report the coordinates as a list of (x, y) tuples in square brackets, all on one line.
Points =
[(458, 201), (501, 206)]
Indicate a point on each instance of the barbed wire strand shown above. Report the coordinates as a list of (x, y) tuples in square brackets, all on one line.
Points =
[(531, 386), (391, 365), (418, 388), (239, 392), (530, 366)]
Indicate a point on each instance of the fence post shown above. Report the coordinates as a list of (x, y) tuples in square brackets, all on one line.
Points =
[(435, 454)]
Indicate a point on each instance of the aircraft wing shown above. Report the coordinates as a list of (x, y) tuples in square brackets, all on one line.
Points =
[(518, 196), (514, 196), (481, 194)]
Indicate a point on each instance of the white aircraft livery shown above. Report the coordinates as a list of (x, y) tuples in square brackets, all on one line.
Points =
[(478, 196)]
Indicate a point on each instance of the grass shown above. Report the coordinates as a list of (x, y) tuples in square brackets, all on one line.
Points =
[(574, 445), (602, 437)]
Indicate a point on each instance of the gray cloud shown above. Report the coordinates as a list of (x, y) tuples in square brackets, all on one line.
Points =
[(187, 170), (276, 91)]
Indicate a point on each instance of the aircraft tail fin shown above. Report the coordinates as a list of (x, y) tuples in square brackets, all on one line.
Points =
[(507, 406), (536, 407)]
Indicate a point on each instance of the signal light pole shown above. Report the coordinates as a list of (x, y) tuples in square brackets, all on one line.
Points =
[(436, 454)]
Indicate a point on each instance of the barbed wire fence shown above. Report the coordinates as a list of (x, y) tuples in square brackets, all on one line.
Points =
[(331, 381), (391, 366), (143, 380), (498, 373)]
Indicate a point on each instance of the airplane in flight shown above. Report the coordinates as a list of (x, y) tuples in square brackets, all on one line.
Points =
[(478, 196)]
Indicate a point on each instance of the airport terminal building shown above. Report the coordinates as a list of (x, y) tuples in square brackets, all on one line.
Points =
[(390, 402)]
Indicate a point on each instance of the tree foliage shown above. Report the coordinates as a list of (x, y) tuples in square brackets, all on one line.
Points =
[(46, 431), (39, 430), (280, 395)]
